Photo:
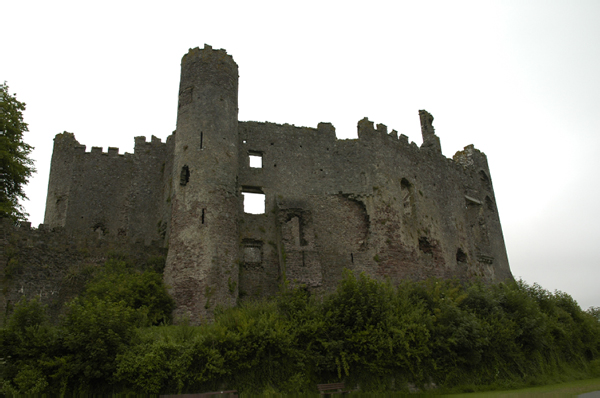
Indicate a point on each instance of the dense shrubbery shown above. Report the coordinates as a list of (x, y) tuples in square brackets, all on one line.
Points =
[(79, 354), (368, 333)]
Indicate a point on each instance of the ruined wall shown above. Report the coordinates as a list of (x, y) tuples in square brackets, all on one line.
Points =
[(110, 193), (54, 264), (377, 204)]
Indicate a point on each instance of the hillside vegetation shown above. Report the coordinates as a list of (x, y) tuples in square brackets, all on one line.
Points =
[(439, 335)]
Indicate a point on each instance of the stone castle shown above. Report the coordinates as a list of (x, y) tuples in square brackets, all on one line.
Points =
[(377, 204)]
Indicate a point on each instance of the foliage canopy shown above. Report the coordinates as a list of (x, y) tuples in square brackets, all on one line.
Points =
[(15, 165), (370, 334)]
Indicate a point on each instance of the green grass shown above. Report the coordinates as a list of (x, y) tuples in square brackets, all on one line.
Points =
[(559, 390), (569, 389)]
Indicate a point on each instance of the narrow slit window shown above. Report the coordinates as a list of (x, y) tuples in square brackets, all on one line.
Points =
[(201, 140), (185, 175), (254, 203), (203, 215), (407, 199), (255, 160)]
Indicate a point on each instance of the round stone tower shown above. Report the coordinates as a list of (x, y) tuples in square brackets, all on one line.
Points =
[(202, 263)]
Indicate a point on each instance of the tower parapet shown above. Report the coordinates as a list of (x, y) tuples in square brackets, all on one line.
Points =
[(59, 184)]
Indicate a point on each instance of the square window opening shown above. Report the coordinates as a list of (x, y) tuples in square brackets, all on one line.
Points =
[(254, 203), (256, 161), (252, 251)]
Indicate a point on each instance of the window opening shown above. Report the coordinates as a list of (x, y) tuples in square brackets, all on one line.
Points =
[(295, 229), (405, 190), (252, 251), (201, 140), (255, 160), (203, 213), (425, 245), (461, 256), (185, 175), (254, 200)]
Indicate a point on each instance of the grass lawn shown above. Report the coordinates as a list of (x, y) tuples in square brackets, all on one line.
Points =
[(570, 389)]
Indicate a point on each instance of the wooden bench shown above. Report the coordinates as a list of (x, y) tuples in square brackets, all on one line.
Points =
[(328, 389)]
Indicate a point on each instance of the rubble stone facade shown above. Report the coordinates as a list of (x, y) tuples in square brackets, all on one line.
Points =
[(377, 204)]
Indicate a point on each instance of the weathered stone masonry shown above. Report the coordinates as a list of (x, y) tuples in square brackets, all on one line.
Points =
[(52, 265), (377, 204)]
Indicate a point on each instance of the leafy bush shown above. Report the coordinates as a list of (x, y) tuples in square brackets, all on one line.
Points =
[(370, 334), (26, 343), (79, 355), (145, 291), (93, 332)]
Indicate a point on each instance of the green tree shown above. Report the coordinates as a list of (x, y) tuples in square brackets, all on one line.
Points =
[(15, 165), (27, 342), (119, 281), (92, 333)]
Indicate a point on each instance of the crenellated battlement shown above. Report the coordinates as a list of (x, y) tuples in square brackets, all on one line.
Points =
[(142, 146), (367, 131), (95, 151), (206, 53)]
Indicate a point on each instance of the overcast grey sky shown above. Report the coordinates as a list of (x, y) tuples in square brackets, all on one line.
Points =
[(519, 79)]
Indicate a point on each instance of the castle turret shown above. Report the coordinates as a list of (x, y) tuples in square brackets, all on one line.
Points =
[(59, 185), (202, 264)]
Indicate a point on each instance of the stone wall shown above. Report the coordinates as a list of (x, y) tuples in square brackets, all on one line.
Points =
[(53, 264), (110, 193), (377, 204)]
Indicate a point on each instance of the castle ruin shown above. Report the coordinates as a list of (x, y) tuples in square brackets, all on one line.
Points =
[(377, 204)]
